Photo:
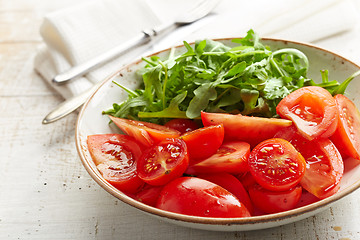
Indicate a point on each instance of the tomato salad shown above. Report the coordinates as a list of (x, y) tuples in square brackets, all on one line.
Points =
[(234, 165)]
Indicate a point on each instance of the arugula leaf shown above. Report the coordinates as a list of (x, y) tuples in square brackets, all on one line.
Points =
[(248, 78)]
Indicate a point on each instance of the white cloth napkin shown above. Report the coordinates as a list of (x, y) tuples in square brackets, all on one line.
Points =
[(78, 33)]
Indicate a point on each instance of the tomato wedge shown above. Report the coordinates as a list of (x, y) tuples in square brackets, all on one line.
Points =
[(347, 134), (115, 156), (312, 109), (198, 197), (144, 132), (231, 157), (163, 162), (232, 184), (324, 168), (203, 142), (272, 201), (244, 128), (276, 165), (182, 125)]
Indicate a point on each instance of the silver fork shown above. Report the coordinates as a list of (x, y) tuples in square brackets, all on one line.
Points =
[(199, 11), (196, 13)]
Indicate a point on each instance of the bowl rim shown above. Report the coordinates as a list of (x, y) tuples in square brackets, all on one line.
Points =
[(276, 217)]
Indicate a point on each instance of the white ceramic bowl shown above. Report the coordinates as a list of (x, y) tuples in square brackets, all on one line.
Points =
[(91, 121)]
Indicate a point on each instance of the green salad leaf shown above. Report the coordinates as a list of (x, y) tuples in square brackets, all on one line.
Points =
[(248, 78)]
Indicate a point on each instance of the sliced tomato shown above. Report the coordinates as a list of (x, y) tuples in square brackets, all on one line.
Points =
[(198, 197), (182, 125), (231, 157), (232, 184), (312, 109), (115, 156), (276, 165), (306, 199), (246, 179), (149, 194), (244, 128), (273, 201), (203, 142), (144, 132), (347, 134), (163, 162), (324, 168)]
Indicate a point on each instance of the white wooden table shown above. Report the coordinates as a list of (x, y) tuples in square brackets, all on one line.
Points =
[(45, 193)]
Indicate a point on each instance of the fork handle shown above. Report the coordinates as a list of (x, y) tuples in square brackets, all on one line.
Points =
[(143, 38)]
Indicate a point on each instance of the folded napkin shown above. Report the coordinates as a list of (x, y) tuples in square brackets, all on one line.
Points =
[(78, 33)]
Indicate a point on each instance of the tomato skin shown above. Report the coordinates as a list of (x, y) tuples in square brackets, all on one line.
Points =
[(203, 142), (149, 194), (232, 184), (231, 157), (244, 128), (272, 201), (144, 132), (347, 135), (115, 156), (163, 162), (182, 125), (312, 109), (199, 197), (276, 165), (324, 168)]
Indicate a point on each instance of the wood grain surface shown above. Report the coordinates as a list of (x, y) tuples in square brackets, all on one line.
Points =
[(45, 193)]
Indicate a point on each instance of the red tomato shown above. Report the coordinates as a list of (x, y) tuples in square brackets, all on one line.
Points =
[(306, 199), (324, 168), (273, 201), (182, 125), (276, 165), (347, 134), (115, 155), (149, 195), (232, 184), (247, 180), (231, 157), (144, 132), (203, 142), (312, 109), (163, 162), (198, 197), (244, 128)]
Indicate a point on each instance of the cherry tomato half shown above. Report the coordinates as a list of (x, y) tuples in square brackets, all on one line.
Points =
[(198, 197), (231, 157), (312, 109), (144, 132), (115, 156), (182, 125), (273, 201), (324, 168), (232, 184), (347, 134), (203, 142), (149, 194), (244, 128), (276, 165), (163, 162)]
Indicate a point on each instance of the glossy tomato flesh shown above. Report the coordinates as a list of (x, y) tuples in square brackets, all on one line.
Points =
[(149, 194), (199, 197), (274, 201), (324, 168), (347, 134), (115, 156), (276, 165), (203, 142), (163, 162), (232, 184), (182, 125), (245, 128), (312, 109), (231, 157), (144, 132)]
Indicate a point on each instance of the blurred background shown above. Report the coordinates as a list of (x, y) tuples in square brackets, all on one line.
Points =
[(45, 193)]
